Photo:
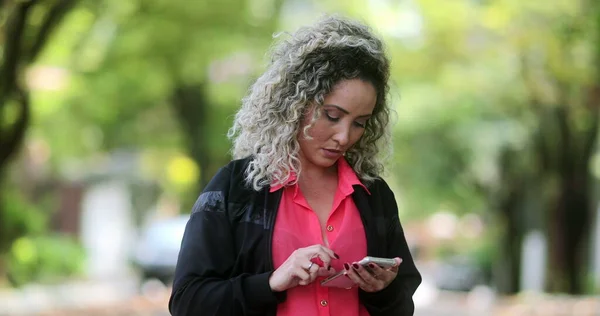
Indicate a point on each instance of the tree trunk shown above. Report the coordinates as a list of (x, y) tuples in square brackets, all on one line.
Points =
[(509, 202), (22, 42), (10, 89), (17, 52), (570, 229), (571, 215), (509, 265), (190, 104)]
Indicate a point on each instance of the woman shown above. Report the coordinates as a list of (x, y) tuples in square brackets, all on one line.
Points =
[(304, 199)]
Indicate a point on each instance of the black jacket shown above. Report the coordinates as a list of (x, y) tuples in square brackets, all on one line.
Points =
[(225, 259)]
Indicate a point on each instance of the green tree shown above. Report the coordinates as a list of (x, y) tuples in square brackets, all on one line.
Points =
[(135, 75), (26, 28), (499, 112), (151, 87)]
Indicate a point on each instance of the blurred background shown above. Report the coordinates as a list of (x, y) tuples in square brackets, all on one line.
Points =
[(113, 116)]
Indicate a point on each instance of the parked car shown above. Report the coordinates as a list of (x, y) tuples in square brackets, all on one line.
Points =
[(459, 274), (155, 255)]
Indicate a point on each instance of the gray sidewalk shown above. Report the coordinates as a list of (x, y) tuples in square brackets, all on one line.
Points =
[(126, 298), (35, 299)]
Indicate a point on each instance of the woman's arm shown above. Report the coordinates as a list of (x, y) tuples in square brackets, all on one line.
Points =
[(206, 259), (396, 299)]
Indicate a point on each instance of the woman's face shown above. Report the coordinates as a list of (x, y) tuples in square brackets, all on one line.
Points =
[(344, 114)]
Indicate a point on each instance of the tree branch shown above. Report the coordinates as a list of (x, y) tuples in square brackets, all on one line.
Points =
[(15, 28), (14, 57), (51, 21), (9, 146)]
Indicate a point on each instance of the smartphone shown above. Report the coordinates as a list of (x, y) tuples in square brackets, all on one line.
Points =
[(384, 263), (342, 281), (339, 280)]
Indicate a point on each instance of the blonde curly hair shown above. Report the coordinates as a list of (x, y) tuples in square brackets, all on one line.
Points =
[(303, 69)]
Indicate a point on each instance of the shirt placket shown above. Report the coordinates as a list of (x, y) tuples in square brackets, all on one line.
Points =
[(323, 300), (323, 292)]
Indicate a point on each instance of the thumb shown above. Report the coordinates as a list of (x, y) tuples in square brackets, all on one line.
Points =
[(395, 267), (398, 261)]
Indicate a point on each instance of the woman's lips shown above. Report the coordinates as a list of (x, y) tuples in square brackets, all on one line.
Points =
[(331, 153)]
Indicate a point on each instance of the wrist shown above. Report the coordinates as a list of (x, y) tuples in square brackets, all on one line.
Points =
[(273, 285)]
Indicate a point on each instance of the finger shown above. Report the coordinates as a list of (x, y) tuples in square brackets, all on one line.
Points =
[(398, 262), (354, 276), (384, 275), (308, 265), (330, 252), (375, 269), (302, 275), (380, 273), (387, 276), (307, 272), (368, 277), (323, 255), (314, 271), (322, 251)]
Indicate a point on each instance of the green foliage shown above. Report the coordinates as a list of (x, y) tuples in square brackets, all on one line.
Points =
[(31, 253), (126, 59), (106, 81), (44, 259), (498, 112), (476, 80), (469, 82), (484, 251), (18, 218)]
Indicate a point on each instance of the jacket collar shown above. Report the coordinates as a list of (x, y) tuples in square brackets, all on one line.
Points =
[(347, 179)]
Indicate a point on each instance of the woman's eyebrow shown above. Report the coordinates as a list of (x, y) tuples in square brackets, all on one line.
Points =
[(346, 111)]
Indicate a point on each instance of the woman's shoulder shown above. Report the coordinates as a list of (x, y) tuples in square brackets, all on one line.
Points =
[(237, 165), (226, 185), (229, 176), (379, 185)]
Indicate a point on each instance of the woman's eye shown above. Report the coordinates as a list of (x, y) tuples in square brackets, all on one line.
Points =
[(331, 117), (360, 124)]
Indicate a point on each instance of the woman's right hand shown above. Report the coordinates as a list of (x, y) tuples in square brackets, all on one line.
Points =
[(295, 270)]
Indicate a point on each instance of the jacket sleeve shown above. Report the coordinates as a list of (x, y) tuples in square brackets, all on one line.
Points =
[(396, 299), (203, 284)]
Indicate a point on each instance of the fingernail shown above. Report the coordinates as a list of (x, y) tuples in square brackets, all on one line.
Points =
[(347, 266), (347, 276), (329, 268), (336, 255), (355, 266), (372, 265)]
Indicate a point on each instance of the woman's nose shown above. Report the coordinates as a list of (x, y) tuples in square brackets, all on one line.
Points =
[(342, 136)]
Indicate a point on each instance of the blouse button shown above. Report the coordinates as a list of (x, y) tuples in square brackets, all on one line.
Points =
[(329, 228), (323, 303)]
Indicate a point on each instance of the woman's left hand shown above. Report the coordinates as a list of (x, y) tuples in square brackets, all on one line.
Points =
[(375, 280)]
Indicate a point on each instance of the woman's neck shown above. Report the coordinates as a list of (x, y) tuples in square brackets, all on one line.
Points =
[(313, 173)]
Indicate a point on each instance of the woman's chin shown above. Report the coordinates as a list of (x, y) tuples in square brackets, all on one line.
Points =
[(326, 163)]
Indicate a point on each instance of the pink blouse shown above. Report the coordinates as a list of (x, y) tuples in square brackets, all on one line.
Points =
[(297, 226)]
